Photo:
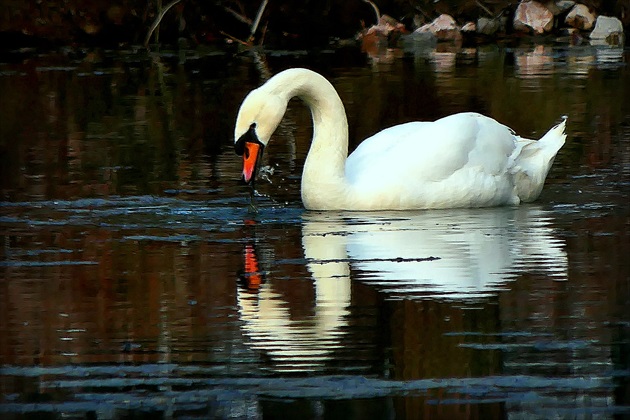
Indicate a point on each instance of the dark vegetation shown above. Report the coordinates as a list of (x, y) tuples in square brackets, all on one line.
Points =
[(282, 24)]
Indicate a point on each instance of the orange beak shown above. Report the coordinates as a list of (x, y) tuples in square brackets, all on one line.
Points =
[(254, 276), (250, 158)]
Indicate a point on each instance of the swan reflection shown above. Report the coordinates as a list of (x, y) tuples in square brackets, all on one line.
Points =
[(294, 345), (451, 255), (455, 254)]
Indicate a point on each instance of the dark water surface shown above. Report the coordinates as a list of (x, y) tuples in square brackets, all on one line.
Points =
[(136, 282)]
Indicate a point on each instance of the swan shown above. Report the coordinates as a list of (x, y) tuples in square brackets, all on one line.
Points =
[(462, 160)]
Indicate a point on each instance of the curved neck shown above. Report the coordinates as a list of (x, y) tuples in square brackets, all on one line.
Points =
[(323, 179)]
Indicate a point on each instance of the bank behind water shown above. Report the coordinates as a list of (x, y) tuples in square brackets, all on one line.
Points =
[(285, 24)]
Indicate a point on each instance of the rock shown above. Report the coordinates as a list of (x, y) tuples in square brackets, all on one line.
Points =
[(417, 41), (377, 38), (418, 21), (391, 24), (609, 29), (488, 26), (532, 15), (580, 17), (386, 26), (443, 27), (469, 27), (559, 6)]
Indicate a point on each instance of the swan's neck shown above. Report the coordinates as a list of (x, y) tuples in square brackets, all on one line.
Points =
[(324, 185)]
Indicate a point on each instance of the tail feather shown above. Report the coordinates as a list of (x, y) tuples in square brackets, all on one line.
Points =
[(555, 138), (533, 159)]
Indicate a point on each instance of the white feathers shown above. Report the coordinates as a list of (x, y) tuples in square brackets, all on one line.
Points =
[(463, 160)]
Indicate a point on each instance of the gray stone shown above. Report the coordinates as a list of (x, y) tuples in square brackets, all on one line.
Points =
[(609, 29), (559, 6), (488, 26)]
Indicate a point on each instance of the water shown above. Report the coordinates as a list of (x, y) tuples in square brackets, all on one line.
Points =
[(136, 282)]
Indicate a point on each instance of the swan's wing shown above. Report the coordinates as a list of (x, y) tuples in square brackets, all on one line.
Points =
[(430, 151)]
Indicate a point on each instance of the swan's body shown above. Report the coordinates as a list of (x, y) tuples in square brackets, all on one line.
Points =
[(463, 160)]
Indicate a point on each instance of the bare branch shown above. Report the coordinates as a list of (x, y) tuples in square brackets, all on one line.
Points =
[(235, 39), (256, 22), (425, 14), (375, 7), (157, 21), (264, 32), (484, 8), (238, 16)]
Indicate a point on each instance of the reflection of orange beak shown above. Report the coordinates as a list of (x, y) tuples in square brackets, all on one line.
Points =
[(250, 156), (254, 276)]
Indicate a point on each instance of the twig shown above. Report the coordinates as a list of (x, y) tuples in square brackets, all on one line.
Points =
[(484, 8), (157, 21), (262, 35), (158, 6), (238, 16), (254, 25), (425, 14), (235, 39), (256, 22), (375, 7)]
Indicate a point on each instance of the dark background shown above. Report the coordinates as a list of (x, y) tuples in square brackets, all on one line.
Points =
[(284, 24)]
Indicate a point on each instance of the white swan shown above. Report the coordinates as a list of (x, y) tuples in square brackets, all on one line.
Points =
[(463, 160)]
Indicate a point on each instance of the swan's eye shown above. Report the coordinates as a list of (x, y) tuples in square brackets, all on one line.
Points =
[(249, 136)]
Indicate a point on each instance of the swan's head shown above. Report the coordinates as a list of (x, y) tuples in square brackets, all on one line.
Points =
[(259, 116)]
